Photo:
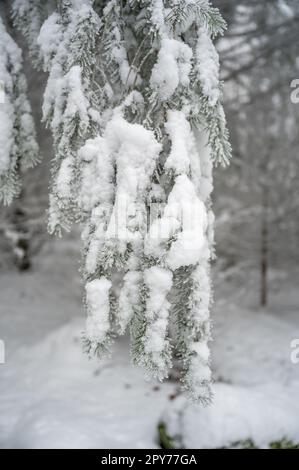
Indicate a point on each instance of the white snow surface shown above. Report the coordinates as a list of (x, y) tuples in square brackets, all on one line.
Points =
[(52, 396), (256, 384)]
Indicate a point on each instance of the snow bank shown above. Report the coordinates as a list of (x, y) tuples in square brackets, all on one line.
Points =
[(262, 414), (257, 385), (53, 397), (256, 345)]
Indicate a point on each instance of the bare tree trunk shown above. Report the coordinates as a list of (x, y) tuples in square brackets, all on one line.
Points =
[(18, 234), (264, 262)]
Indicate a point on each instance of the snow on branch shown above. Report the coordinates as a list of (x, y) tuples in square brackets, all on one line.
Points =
[(133, 100), (18, 146)]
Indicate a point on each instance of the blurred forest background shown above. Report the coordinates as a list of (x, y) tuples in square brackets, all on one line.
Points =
[(256, 198)]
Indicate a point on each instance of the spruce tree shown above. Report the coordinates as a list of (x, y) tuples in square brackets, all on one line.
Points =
[(133, 100)]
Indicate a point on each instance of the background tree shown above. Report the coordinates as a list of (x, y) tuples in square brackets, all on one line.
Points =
[(259, 61)]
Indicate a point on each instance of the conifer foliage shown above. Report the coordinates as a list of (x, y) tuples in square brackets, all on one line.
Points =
[(18, 147), (133, 100)]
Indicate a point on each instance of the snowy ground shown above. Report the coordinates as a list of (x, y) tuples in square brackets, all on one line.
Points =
[(257, 385), (52, 396)]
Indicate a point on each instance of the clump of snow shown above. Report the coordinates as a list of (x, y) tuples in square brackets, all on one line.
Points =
[(182, 142), (77, 103), (189, 246), (202, 166), (126, 153), (133, 151), (208, 67), (172, 68), (157, 15), (64, 177), (185, 218), (128, 298), (158, 282), (118, 53), (6, 134), (202, 294), (65, 97), (49, 38), (197, 379), (98, 309), (96, 174)]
